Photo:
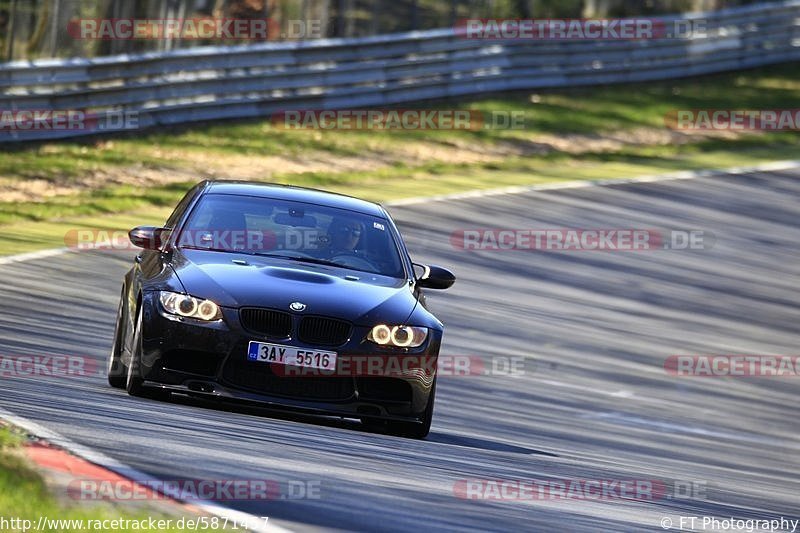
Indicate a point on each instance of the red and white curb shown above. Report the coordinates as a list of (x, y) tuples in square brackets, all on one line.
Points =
[(108, 463)]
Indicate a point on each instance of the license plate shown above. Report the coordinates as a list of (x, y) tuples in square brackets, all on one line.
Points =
[(263, 352)]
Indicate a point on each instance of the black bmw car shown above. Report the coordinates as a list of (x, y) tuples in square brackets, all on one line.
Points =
[(284, 296)]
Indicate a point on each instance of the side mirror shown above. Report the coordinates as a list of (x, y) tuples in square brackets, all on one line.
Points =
[(435, 277), (147, 237)]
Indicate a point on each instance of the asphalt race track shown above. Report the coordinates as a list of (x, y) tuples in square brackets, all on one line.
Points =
[(594, 403)]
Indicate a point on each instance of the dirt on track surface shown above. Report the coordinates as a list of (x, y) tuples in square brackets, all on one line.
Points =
[(192, 165)]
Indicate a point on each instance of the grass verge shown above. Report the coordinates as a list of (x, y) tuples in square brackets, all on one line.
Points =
[(24, 496), (28, 236), (593, 133)]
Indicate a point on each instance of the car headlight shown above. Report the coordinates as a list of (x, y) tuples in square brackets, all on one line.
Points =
[(189, 306), (399, 336)]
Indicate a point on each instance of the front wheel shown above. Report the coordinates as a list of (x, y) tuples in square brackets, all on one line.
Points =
[(134, 383), (117, 371), (416, 430)]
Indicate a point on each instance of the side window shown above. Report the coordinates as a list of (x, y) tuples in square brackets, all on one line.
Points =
[(181, 207)]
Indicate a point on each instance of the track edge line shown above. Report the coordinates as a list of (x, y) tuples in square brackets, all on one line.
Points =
[(104, 461)]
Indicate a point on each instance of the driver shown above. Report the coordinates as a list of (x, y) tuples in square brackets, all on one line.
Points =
[(344, 235)]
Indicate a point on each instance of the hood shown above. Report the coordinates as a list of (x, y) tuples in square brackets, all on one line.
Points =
[(276, 283)]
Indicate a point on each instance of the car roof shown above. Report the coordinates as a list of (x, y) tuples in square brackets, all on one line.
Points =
[(294, 193)]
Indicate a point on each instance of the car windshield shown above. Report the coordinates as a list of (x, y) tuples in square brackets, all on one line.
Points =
[(295, 231)]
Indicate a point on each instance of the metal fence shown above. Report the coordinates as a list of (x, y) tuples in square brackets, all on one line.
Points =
[(216, 83)]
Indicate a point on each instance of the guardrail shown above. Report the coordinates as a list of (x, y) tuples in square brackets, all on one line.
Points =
[(215, 83)]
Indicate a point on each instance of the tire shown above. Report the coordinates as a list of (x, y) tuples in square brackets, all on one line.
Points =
[(117, 371), (415, 430), (134, 383)]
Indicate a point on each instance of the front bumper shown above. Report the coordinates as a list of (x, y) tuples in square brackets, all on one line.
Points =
[(210, 360)]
